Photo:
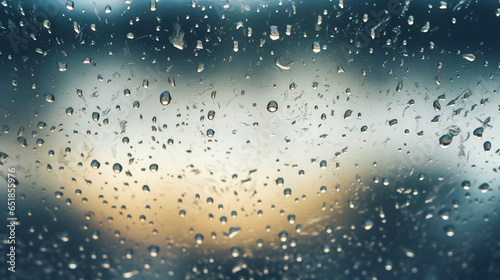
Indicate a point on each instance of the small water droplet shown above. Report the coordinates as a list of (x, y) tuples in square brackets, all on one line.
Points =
[(469, 57), (272, 106), (199, 238), (487, 146), (95, 234), (287, 192), (466, 185), (95, 116), (399, 87), (211, 114), (117, 168), (165, 98), (484, 187), (95, 164), (153, 250), (280, 182), (444, 214), (449, 230), (426, 27), (50, 98), (445, 140), (70, 5), (478, 132), (367, 224), (210, 132), (283, 235), (62, 66), (274, 34), (436, 105), (153, 167), (235, 252), (347, 114)]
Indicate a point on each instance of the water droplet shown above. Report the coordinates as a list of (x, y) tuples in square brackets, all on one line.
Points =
[(478, 132), (466, 185), (436, 105), (367, 224), (129, 253), (22, 141), (322, 164), (316, 47), (182, 213), (107, 9), (145, 188), (280, 182), (72, 264), (399, 87), (58, 194), (291, 219), (199, 45), (165, 98), (153, 250), (63, 66), (484, 187), (449, 230), (117, 168), (50, 98), (95, 164), (347, 114), (274, 34), (426, 27), (70, 5), (199, 238), (469, 57), (200, 67), (272, 106), (210, 132), (153, 167), (95, 234), (283, 63), (283, 235), (445, 214), (487, 146), (235, 252), (211, 114), (287, 192), (223, 220), (69, 111), (95, 116), (445, 140), (350, 203)]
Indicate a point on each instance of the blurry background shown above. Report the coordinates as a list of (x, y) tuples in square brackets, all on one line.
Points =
[(352, 177)]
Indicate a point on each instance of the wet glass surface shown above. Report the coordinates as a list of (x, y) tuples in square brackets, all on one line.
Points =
[(250, 139)]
